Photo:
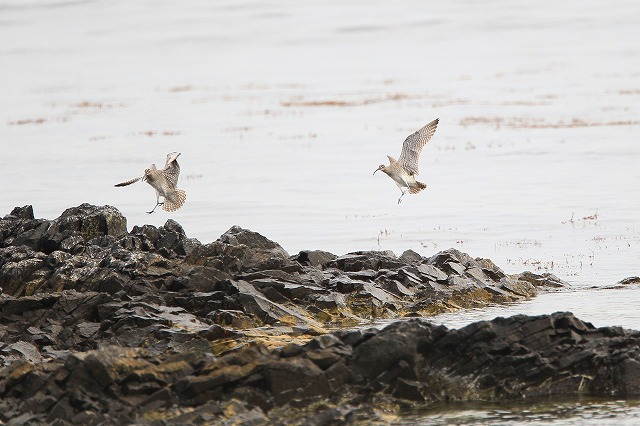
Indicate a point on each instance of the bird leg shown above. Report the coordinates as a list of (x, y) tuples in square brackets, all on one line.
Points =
[(400, 199), (154, 209), (158, 203)]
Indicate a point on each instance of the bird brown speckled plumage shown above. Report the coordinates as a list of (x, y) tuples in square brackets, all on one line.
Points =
[(404, 169), (165, 183)]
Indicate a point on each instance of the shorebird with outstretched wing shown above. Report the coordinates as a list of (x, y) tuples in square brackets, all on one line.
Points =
[(404, 169), (165, 183)]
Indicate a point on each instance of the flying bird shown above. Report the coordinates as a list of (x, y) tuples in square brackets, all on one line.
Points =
[(403, 171), (165, 183)]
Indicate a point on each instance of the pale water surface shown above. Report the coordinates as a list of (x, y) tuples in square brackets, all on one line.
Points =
[(282, 111), (556, 411)]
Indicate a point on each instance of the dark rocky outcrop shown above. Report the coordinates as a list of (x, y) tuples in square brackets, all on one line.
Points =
[(104, 326), (334, 378), (241, 275)]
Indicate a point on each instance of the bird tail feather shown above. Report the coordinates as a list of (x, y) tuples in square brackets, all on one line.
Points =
[(174, 200), (419, 186)]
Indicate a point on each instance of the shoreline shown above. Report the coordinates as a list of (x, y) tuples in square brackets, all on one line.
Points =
[(154, 325)]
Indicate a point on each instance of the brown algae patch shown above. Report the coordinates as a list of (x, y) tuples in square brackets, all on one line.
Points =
[(540, 123), (345, 103)]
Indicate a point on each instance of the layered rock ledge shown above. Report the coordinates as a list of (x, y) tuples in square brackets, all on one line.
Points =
[(104, 326), (339, 378), (241, 280)]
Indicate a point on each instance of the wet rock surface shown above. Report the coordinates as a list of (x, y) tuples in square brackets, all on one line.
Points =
[(104, 326)]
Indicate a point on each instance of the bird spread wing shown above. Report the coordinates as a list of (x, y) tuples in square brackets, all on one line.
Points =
[(172, 156), (413, 146), (129, 182), (171, 176), (171, 169), (167, 187), (171, 172)]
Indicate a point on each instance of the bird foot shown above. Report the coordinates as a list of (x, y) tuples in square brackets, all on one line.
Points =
[(154, 209)]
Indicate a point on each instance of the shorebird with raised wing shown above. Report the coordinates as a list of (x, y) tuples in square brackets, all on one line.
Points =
[(404, 170), (165, 183)]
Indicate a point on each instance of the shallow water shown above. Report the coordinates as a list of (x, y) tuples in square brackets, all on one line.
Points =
[(556, 411), (600, 306), (282, 111)]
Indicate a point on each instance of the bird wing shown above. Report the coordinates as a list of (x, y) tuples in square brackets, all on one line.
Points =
[(171, 170), (172, 156), (413, 145), (167, 188), (171, 176), (129, 182)]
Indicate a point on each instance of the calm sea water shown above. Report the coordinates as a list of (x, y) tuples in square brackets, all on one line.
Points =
[(282, 110), (557, 412)]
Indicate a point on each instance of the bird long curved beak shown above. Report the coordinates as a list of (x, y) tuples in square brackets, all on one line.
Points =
[(376, 170)]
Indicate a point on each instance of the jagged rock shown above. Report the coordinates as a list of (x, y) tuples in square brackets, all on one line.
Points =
[(294, 378), (271, 312), (101, 326), (239, 236), (344, 284), (101, 367), (22, 350), (545, 280), (410, 256), (629, 281), (23, 271), (20, 228), (407, 362), (91, 255), (85, 221), (433, 273), (25, 212), (172, 241), (260, 253), (366, 260), (315, 258)]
